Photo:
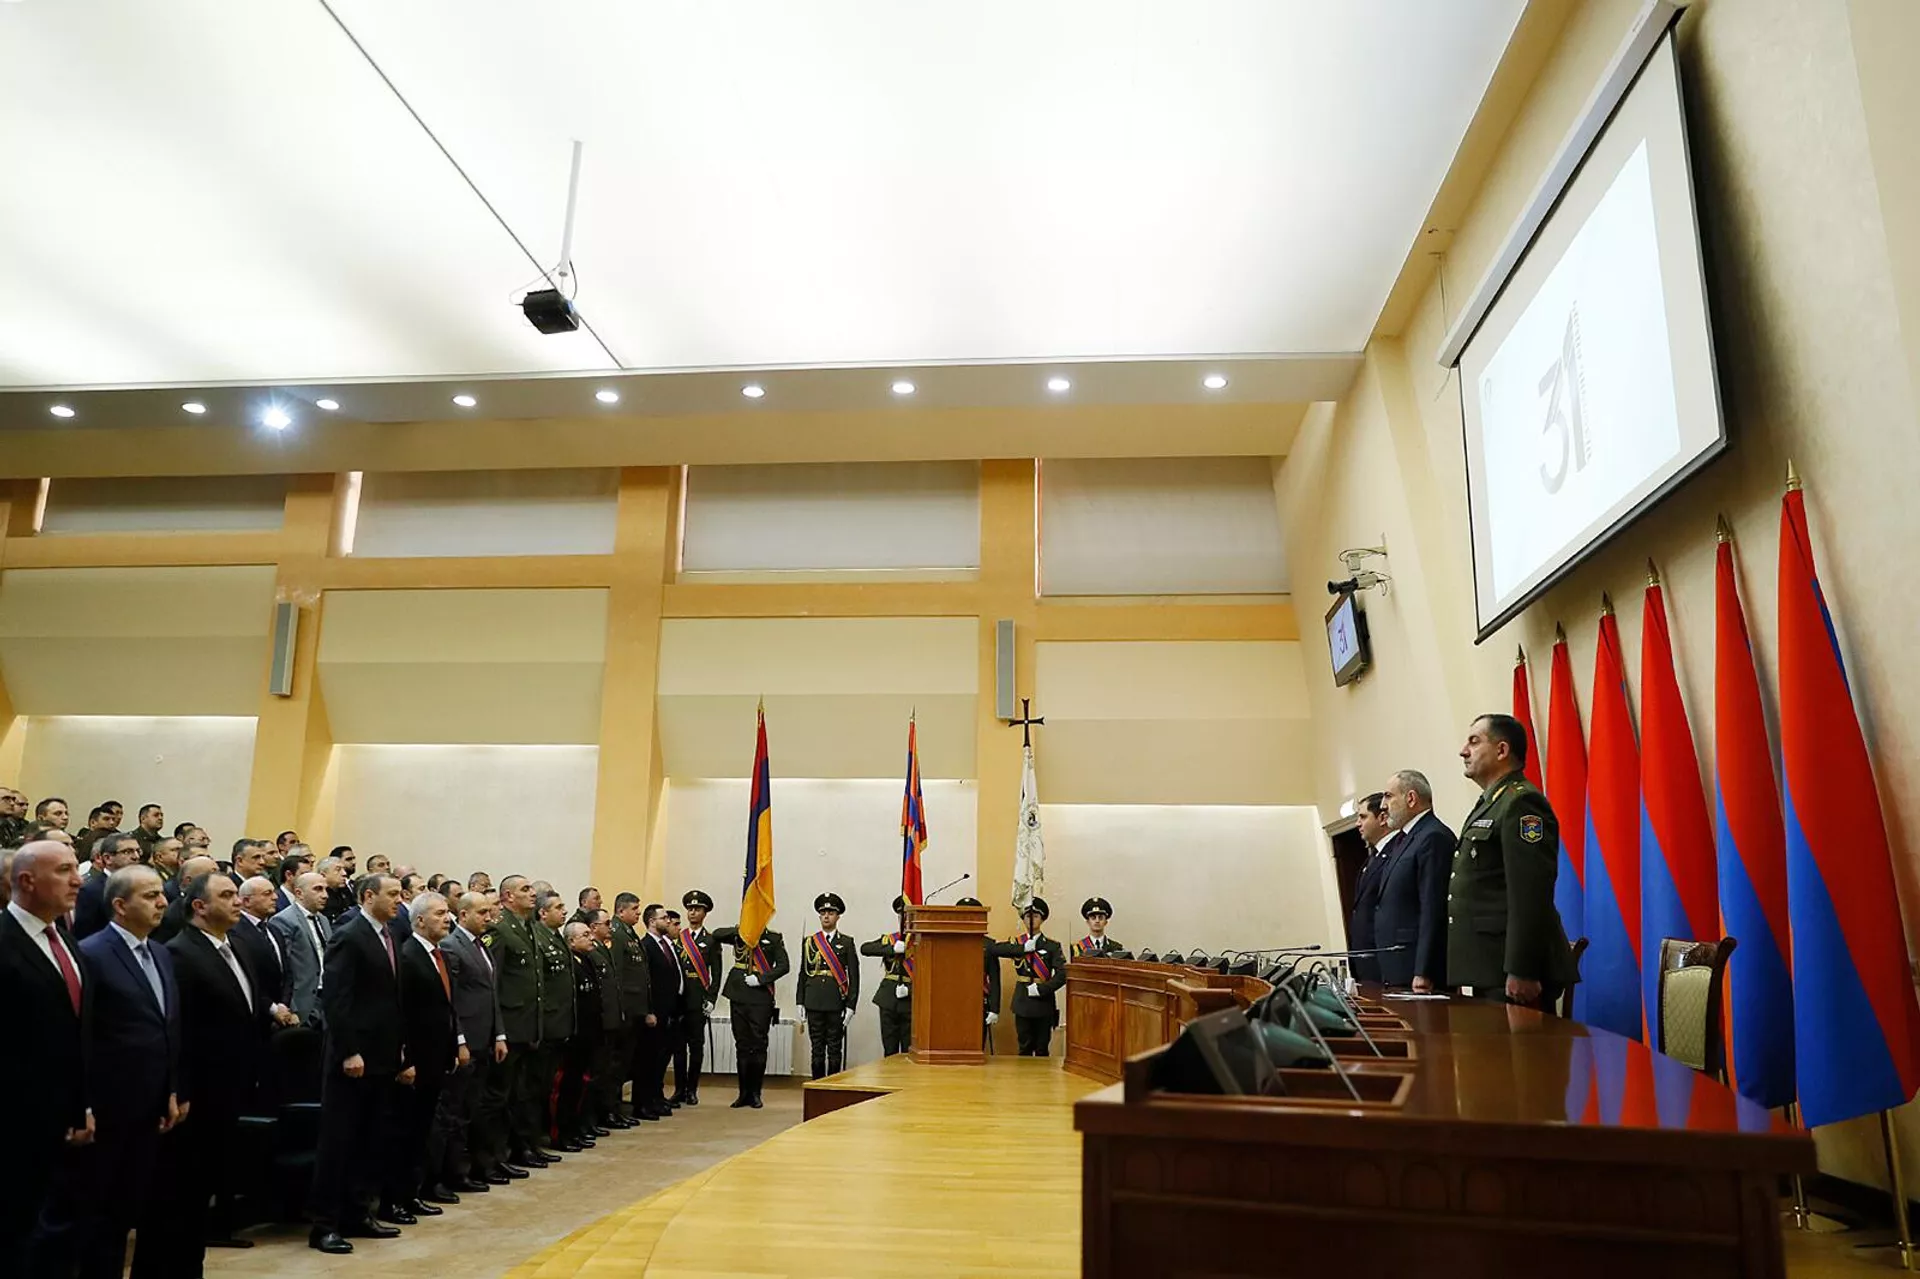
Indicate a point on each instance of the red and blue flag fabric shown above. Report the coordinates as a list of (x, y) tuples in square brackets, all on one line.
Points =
[(1610, 971), (913, 825), (1523, 711), (1567, 792)]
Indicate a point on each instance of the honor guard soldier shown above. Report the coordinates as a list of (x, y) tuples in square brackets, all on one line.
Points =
[(556, 1011), (829, 986), (1042, 969), (700, 960), (989, 983), (1504, 939), (894, 997), (1096, 911), (630, 967), (749, 992), (516, 966)]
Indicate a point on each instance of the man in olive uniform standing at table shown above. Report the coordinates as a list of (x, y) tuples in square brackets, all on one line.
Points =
[(1041, 967), (556, 1015), (516, 967), (636, 993), (829, 986), (1096, 911), (1504, 939), (894, 995), (749, 992), (700, 963)]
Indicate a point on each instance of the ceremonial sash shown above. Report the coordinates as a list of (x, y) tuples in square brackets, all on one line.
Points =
[(1086, 946), (697, 961), (906, 959), (1036, 960), (761, 964), (825, 950)]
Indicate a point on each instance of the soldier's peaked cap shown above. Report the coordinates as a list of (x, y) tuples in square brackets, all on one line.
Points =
[(829, 901), (1038, 906), (694, 897), (1093, 904)]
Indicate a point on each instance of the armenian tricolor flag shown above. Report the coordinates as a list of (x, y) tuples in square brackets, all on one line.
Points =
[(913, 824), (756, 888), (1611, 968), (1567, 792), (1523, 711)]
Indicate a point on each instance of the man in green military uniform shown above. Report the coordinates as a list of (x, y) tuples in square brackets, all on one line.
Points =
[(749, 992), (516, 967), (894, 995), (605, 1098), (636, 992), (989, 984), (1096, 911), (700, 962), (1504, 939), (829, 986), (556, 1013), (1041, 967)]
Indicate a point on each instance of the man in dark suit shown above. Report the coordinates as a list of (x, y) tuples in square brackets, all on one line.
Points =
[(178, 913), (363, 1061), (469, 1150), (1413, 891), (656, 1029), (49, 1008), (110, 852), (263, 950), (224, 1020), (435, 1047), (133, 1067), (1361, 932)]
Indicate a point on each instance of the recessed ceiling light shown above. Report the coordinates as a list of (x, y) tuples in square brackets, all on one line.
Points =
[(1214, 381), (465, 401), (276, 419), (194, 407), (903, 387), (753, 390), (60, 410), (328, 405), (608, 396), (1059, 384)]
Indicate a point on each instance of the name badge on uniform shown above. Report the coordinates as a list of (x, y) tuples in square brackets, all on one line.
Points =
[(1485, 823)]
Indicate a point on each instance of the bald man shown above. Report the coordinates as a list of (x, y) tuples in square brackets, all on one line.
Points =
[(178, 913)]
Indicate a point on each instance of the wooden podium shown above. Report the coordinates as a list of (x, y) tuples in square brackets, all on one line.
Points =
[(949, 1008)]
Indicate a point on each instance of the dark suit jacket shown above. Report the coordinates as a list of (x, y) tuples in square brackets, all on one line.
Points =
[(361, 1001), (1362, 933), (1413, 904), (427, 1014), (173, 921), (133, 1060), (90, 911), (42, 1055), (663, 977), (223, 1031), (250, 937), (476, 1004)]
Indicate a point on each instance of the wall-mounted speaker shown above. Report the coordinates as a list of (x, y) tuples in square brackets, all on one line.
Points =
[(1003, 701), (286, 636)]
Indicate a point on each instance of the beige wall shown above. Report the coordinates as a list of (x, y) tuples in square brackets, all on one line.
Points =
[(1790, 112)]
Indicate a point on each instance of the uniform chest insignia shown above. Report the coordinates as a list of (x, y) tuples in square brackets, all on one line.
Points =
[(1485, 823), (1532, 829)]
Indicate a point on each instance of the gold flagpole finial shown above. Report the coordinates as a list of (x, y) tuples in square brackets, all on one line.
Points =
[(1653, 574), (1606, 604), (1520, 655), (1559, 633), (1722, 531), (1793, 477)]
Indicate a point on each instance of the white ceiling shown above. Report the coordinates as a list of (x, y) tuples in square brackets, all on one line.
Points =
[(207, 190)]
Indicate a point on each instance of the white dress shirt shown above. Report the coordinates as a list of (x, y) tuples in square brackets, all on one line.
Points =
[(1412, 822), (225, 950), (37, 933)]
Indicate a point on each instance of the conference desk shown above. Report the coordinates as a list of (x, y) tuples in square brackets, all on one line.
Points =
[(1507, 1141)]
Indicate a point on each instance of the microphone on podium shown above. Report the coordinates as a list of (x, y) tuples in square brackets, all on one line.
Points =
[(949, 884)]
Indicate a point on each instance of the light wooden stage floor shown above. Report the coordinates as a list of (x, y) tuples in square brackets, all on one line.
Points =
[(957, 1170)]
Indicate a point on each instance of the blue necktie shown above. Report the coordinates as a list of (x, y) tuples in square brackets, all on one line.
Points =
[(153, 976)]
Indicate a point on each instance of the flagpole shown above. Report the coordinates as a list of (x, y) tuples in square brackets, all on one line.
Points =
[(1899, 1183)]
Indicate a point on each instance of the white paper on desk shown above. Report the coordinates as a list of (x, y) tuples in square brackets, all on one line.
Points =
[(1412, 995)]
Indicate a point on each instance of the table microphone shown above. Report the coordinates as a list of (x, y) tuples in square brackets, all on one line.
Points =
[(949, 884)]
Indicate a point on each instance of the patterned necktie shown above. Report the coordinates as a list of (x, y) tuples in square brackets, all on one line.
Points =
[(67, 970), (440, 962)]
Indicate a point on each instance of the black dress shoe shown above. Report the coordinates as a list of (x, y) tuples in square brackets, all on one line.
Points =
[(756, 1103), (622, 1121), (649, 1116), (328, 1241), (228, 1241), (439, 1195), (508, 1172), (368, 1228), (421, 1208), (740, 1102), (536, 1159), (674, 1103), (569, 1146), (693, 1099), (550, 1156), (471, 1186), (398, 1216), (600, 1130)]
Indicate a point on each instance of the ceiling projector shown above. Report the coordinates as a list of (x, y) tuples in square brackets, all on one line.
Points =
[(550, 311)]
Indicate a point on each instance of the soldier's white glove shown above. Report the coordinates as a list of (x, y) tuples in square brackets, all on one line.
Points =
[(753, 979), (1029, 946), (1033, 988), (707, 1008), (992, 1018), (899, 948), (846, 1016), (902, 991)]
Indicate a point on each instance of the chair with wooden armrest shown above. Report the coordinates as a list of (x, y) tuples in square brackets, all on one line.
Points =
[(1690, 994)]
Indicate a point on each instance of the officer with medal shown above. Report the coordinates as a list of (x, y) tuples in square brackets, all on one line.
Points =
[(1041, 967), (749, 992), (556, 1010), (1096, 911), (894, 995), (989, 983), (829, 986), (514, 1090), (1504, 939), (700, 961), (636, 995)]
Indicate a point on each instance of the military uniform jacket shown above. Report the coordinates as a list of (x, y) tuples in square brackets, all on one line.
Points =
[(696, 994), (606, 987), (1053, 961), (773, 948), (516, 974), (1500, 916), (893, 972), (819, 990), (1091, 947), (630, 972), (589, 981), (991, 981), (556, 985)]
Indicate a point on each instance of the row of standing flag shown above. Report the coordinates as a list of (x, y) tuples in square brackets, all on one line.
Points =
[(1821, 996)]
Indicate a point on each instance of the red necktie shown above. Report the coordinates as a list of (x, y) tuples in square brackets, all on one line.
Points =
[(441, 964), (67, 969)]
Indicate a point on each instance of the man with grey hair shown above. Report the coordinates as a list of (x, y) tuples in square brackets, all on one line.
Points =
[(470, 1127), (1411, 919), (263, 951), (435, 1047)]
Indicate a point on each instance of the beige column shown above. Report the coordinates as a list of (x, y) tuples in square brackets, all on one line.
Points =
[(631, 783), (1007, 590)]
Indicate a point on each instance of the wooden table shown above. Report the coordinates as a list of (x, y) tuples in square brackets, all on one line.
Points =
[(1118, 1008), (1521, 1144)]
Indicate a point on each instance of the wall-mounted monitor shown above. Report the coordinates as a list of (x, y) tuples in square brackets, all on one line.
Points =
[(1587, 380), (1347, 639)]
